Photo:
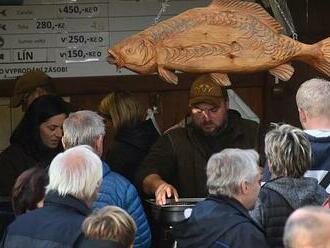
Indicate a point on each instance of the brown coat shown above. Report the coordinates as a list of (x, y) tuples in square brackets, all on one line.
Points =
[(181, 155)]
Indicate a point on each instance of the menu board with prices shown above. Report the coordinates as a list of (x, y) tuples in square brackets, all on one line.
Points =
[(71, 38)]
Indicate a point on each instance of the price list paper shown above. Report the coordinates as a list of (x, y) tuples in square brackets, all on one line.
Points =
[(70, 38)]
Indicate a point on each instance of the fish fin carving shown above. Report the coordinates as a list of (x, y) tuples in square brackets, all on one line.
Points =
[(221, 78), (283, 72), (167, 75), (249, 8), (318, 56)]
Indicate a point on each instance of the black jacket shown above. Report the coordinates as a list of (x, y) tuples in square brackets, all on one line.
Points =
[(56, 225), (129, 148), (278, 198), (15, 159), (219, 222)]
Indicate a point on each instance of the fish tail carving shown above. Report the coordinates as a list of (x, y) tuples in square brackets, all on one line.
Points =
[(318, 56)]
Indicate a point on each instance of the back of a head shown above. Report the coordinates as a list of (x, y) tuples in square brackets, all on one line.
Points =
[(288, 151), (29, 190), (307, 227), (82, 128), (110, 223), (227, 169), (313, 97), (39, 112), (123, 110), (77, 172)]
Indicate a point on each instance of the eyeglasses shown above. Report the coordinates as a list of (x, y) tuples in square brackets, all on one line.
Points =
[(198, 111)]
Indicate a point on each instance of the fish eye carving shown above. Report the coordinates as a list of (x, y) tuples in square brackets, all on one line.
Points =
[(129, 50)]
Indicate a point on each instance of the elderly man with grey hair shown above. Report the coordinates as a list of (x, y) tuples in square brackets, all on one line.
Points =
[(74, 179), (87, 128), (288, 153), (308, 227), (222, 219)]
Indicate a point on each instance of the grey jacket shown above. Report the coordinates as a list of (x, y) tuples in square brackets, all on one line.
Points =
[(278, 198)]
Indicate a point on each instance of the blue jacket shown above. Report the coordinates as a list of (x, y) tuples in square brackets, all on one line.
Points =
[(320, 152), (118, 191), (219, 222), (57, 224)]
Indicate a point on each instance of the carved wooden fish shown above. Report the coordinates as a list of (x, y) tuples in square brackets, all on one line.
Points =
[(228, 36)]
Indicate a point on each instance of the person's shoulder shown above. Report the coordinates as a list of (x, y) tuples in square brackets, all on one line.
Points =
[(13, 148), (15, 152), (250, 233), (26, 219), (266, 194), (176, 131), (116, 177), (116, 181)]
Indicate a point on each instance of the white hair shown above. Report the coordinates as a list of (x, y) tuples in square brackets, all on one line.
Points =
[(313, 97), (229, 168), (309, 223), (82, 128), (77, 172)]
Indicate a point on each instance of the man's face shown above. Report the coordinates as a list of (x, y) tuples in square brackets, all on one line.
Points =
[(51, 131), (210, 118)]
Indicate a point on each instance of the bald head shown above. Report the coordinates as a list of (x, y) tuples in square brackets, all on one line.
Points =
[(308, 227)]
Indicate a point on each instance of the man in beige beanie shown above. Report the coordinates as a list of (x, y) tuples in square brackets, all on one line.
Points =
[(30, 86), (176, 163)]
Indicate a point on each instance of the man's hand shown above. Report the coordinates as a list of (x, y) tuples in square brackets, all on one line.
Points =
[(164, 191), (154, 184)]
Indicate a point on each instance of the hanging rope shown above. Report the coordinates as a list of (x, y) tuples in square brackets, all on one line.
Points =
[(283, 15), (164, 5)]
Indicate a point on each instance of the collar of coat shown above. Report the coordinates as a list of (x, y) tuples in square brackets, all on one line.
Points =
[(53, 198)]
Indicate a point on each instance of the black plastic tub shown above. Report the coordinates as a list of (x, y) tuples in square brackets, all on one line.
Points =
[(172, 212)]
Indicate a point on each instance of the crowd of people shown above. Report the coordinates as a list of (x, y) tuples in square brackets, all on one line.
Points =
[(77, 178)]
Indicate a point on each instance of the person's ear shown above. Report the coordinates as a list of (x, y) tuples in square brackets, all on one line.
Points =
[(99, 145), (63, 143), (302, 115), (244, 187)]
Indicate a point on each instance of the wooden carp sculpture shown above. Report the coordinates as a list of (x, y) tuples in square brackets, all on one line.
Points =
[(228, 36)]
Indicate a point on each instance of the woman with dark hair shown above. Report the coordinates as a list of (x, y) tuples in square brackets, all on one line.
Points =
[(130, 134), (36, 140), (29, 190)]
